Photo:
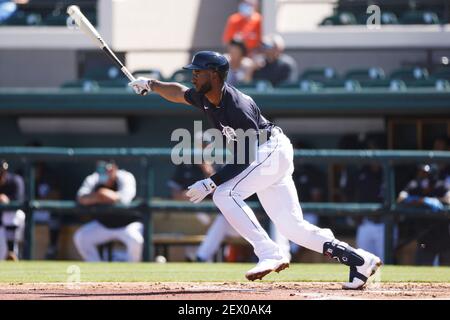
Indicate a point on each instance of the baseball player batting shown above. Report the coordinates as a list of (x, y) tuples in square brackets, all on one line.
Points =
[(269, 175)]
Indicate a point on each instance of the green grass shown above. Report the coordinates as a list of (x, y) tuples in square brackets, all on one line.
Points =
[(40, 271)]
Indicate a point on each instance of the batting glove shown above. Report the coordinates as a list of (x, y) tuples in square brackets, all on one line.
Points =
[(141, 85), (199, 190)]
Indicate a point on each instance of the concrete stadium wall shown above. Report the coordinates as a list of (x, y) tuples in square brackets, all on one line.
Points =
[(37, 68)]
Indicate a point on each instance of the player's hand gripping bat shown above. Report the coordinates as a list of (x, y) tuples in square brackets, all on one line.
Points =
[(83, 23)]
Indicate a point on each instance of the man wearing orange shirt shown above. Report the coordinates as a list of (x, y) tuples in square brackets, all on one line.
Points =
[(244, 24)]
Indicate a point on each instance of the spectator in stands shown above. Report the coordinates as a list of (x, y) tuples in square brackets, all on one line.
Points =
[(107, 186), (428, 191), (244, 24), (240, 65), (9, 7), (12, 222), (274, 65)]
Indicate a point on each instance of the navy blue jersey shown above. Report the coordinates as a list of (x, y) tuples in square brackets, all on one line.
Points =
[(235, 111)]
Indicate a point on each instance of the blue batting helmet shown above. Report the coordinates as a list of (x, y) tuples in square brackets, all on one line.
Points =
[(209, 60)]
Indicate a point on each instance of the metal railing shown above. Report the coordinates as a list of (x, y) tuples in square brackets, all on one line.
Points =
[(146, 157)]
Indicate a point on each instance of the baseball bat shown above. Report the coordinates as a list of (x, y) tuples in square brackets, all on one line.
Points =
[(83, 23)]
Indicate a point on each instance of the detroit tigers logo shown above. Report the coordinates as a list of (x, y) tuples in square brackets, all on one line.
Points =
[(229, 133)]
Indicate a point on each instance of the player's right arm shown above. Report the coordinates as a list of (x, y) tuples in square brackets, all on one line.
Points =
[(171, 91)]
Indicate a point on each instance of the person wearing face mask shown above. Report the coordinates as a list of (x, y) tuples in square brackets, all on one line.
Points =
[(244, 24), (107, 186)]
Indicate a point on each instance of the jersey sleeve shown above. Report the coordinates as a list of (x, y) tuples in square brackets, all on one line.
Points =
[(88, 185), (126, 187), (193, 98), (20, 189)]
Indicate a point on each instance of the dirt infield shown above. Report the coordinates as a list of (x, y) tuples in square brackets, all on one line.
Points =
[(222, 291)]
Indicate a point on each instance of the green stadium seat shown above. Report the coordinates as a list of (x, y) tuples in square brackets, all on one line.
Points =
[(85, 85), (389, 18), (288, 85), (397, 85), (104, 73), (386, 18), (423, 83), (410, 74), (391, 85), (310, 86), (148, 73), (181, 75), (258, 85), (340, 19), (348, 85), (442, 74), (21, 18), (365, 74), (442, 85), (319, 74), (420, 17), (114, 83), (59, 19), (378, 83)]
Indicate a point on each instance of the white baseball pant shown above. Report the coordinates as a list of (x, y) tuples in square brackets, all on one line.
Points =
[(270, 176), (14, 218), (220, 229), (93, 234), (370, 237)]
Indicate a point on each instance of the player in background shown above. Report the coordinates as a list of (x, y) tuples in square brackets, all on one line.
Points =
[(266, 171)]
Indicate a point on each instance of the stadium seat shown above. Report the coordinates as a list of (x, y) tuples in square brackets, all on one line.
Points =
[(442, 74), (104, 73), (348, 85), (181, 75), (258, 85), (391, 85), (409, 74), (442, 85), (319, 74), (21, 18), (289, 85), (385, 19), (419, 17), (148, 73), (377, 83), (397, 85), (423, 83), (340, 19), (310, 86), (85, 85), (365, 74), (114, 83), (55, 20)]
